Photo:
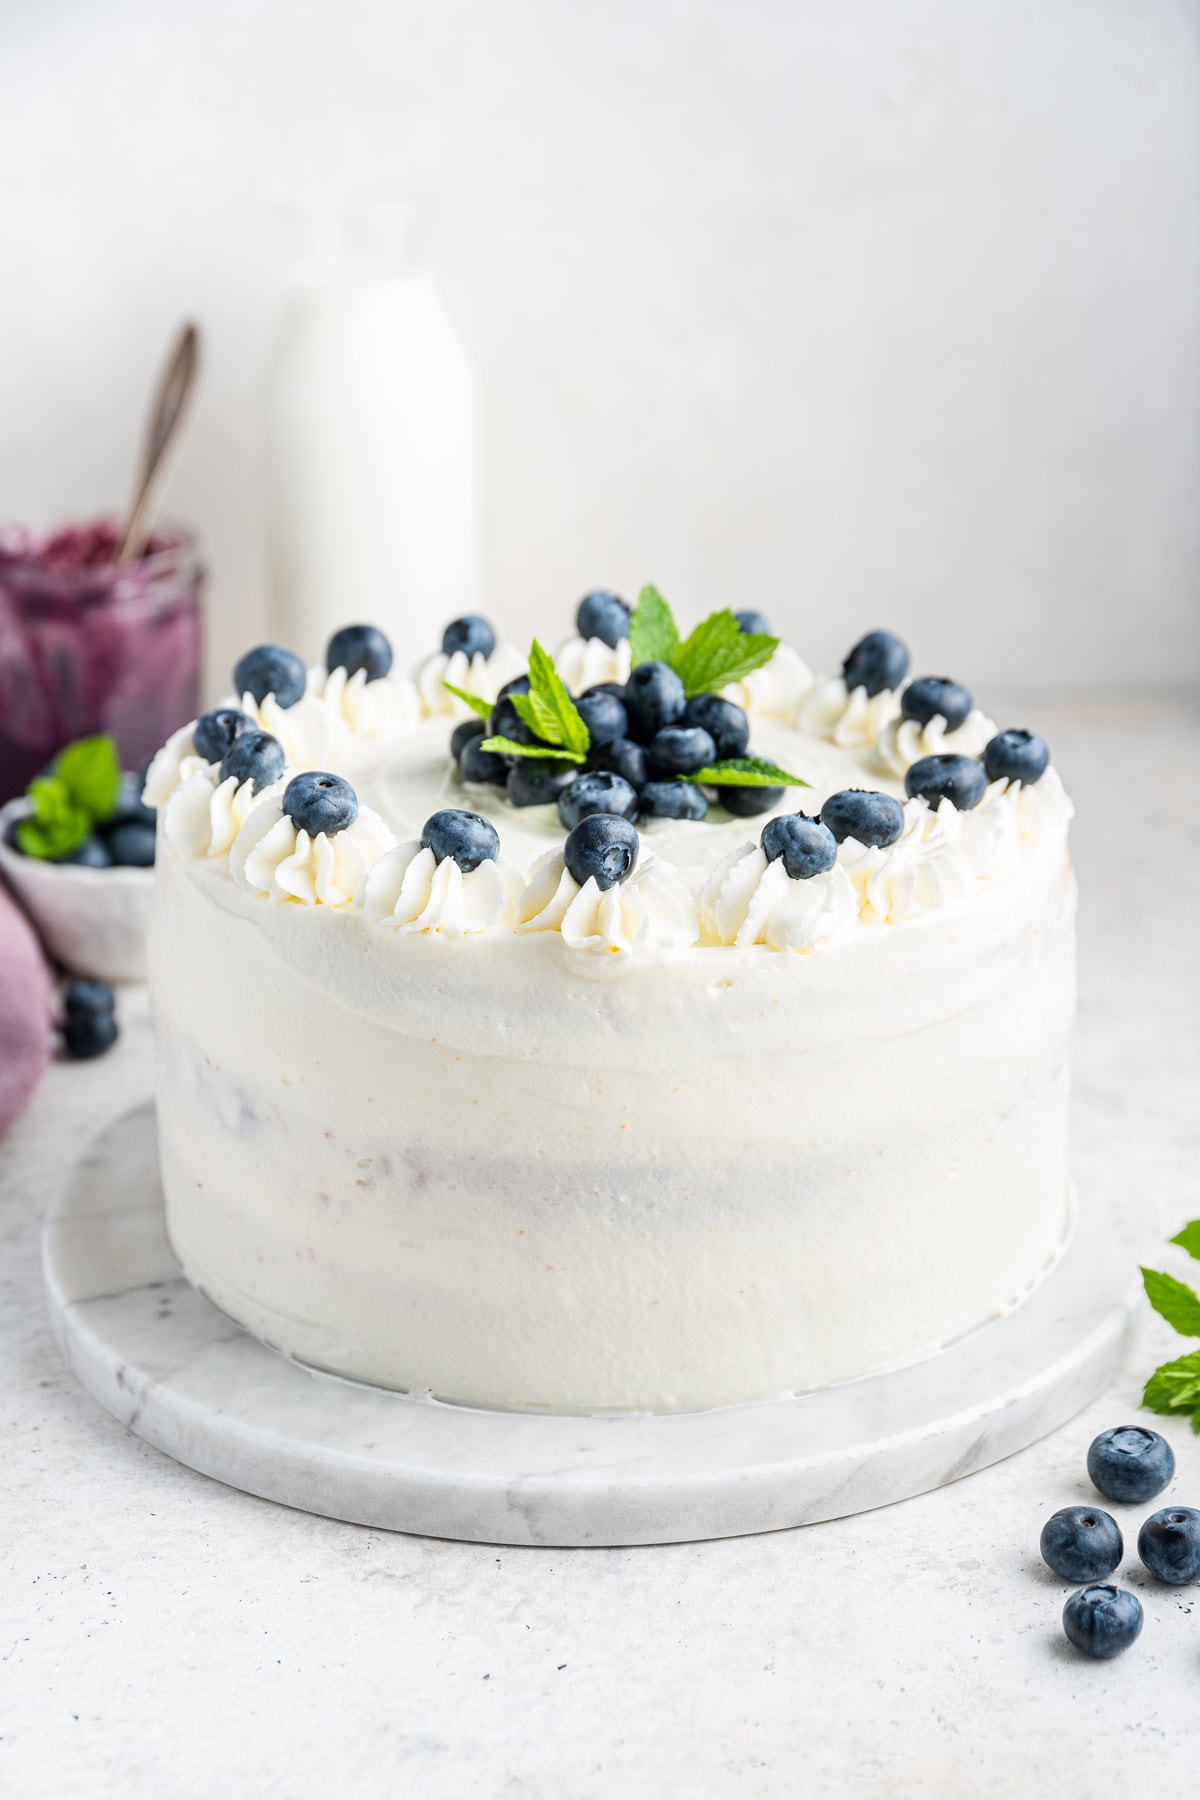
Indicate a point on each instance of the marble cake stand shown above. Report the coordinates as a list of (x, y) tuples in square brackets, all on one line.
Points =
[(176, 1371)]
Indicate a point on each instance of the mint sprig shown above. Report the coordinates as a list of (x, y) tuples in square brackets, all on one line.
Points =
[(1174, 1388), (549, 710), (482, 707), (712, 656), (506, 746), (746, 771), (79, 793)]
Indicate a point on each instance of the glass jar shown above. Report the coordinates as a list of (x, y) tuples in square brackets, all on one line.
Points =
[(89, 645)]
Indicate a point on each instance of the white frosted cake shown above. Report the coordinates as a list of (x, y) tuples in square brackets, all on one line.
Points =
[(587, 1102)]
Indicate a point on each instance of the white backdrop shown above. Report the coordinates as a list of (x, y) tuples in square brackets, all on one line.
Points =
[(876, 313)]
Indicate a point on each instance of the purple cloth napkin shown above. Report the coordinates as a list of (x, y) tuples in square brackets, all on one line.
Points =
[(26, 1010)]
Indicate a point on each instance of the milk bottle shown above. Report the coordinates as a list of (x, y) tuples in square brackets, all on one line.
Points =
[(372, 438)]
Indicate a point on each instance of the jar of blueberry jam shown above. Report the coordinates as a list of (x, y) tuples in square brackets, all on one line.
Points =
[(88, 645)]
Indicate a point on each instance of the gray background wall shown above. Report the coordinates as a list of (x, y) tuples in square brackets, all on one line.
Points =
[(882, 312)]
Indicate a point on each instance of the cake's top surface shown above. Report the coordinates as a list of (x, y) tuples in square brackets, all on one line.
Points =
[(640, 791)]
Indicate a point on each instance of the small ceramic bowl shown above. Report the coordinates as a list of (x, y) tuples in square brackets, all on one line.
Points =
[(93, 921)]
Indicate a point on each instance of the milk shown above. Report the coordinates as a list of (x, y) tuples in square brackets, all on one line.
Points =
[(372, 442)]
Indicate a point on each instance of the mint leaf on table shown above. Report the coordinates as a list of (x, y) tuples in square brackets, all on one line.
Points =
[(1175, 1388), (1174, 1301), (503, 746), (482, 707), (653, 633), (57, 824), (549, 710), (90, 771), (718, 652), (746, 771), (1189, 1238)]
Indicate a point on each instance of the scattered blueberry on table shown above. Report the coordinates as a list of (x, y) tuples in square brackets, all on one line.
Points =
[(467, 838), (1169, 1544), (89, 1026), (1103, 1620), (1130, 1463), (1082, 1543)]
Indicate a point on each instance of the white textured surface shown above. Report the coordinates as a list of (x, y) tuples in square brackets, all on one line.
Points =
[(884, 312), (162, 1631)]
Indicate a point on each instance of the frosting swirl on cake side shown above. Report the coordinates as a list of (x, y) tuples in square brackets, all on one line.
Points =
[(904, 742), (651, 910), (273, 857), (776, 690), (748, 900), (410, 890), (171, 765), (586, 662), (478, 674), (204, 814), (850, 718)]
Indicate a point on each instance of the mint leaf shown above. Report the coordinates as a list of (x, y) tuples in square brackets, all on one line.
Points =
[(653, 633), (719, 652), (746, 771), (482, 707), (548, 709), (503, 746), (57, 825), (90, 771), (1189, 1238), (1175, 1387), (1174, 1301)]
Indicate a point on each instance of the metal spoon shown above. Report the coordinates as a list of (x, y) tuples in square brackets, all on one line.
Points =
[(170, 404)]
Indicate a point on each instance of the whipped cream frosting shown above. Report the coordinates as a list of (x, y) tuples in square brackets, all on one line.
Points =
[(275, 858), (482, 675), (585, 662), (848, 717), (926, 868), (204, 814), (172, 765), (776, 690), (748, 900), (650, 910), (904, 742), (370, 708), (410, 890)]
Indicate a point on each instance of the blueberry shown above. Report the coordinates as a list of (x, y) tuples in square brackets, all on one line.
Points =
[(537, 780), (806, 846), (626, 758), (615, 688), (463, 734), (654, 697), (749, 802), (752, 621), (1016, 756), (603, 849), (878, 661), (681, 750), (930, 695), (1081, 1543), (89, 1033), (215, 731), (93, 853), (357, 647), (270, 669), (131, 844), (725, 723), (131, 809), (518, 685), (470, 634), (602, 615), (867, 817), (478, 764), (597, 791), (507, 722), (1102, 1620), (1169, 1544), (1130, 1463), (672, 800), (89, 997), (605, 717), (467, 837), (318, 802), (254, 756), (959, 779)]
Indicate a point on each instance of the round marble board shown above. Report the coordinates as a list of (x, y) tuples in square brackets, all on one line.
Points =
[(176, 1371)]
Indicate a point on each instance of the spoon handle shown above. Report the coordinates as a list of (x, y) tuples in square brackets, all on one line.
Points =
[(170, 402)]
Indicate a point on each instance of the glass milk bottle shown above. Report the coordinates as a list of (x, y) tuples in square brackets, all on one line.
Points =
[(372, 439)]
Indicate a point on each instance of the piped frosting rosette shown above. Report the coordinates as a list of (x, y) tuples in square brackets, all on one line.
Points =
[(586, 662), (776, 690), (904, 742), (273, 857), (748, 900), (409, 890), (848, 717), (650, 910), (926, 868), (204, 814), (478, 674), (172, 765)]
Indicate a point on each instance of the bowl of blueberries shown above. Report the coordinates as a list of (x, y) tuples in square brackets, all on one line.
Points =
[(77, 851)]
